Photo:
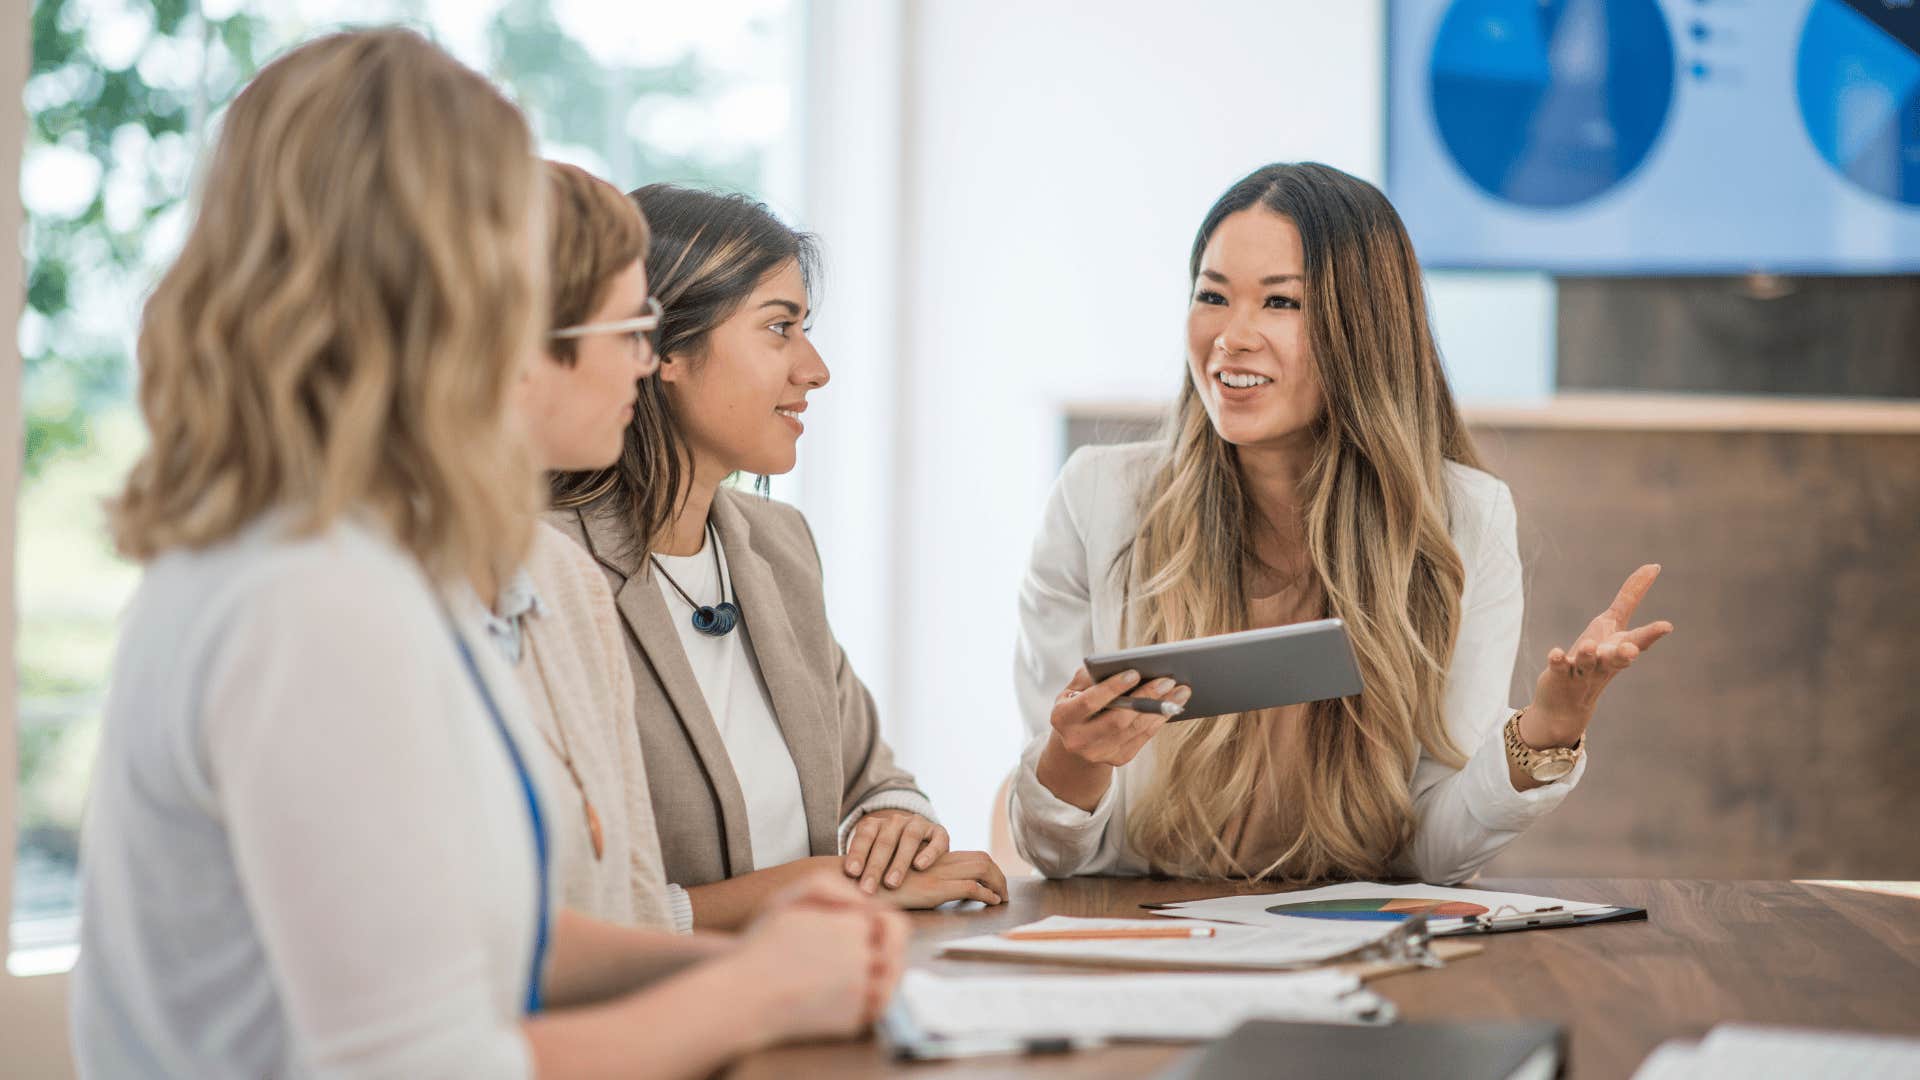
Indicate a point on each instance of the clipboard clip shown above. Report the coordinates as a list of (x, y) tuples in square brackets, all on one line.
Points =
[(1507, 916), (1408, 943)]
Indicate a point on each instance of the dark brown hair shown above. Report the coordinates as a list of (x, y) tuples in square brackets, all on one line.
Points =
[(707, 254), (593, 234)]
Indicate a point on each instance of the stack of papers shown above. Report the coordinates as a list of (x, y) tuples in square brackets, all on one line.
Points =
[(1291, 943), (1739, 1052), (1157, 1008), (1364, 903)]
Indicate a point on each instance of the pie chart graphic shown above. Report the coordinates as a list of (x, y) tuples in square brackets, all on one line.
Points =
[(1550, 103), (1379, 909), (1858, 81)]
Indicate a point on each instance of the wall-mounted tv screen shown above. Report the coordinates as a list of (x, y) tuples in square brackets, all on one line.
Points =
[(1657, 136)]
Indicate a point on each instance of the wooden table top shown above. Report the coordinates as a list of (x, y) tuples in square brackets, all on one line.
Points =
[(1775, 952)]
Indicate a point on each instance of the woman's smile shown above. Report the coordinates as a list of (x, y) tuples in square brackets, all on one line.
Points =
[(1237, 385)]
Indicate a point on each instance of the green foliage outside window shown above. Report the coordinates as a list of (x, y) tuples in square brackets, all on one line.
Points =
[(116, 120)]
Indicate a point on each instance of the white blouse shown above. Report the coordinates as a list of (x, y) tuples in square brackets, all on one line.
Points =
[(736, 693), (1070, 607), (742, 708), (307, 850)]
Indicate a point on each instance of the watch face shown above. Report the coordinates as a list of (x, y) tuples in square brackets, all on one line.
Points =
[(1552, 769)]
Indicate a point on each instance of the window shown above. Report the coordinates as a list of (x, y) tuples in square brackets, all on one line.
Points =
[(121, 97)]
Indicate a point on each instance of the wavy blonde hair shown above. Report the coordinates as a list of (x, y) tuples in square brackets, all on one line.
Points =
[(362, 283), (1374, 520)]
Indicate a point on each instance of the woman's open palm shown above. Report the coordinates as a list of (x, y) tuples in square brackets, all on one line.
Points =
[(1567, 691)]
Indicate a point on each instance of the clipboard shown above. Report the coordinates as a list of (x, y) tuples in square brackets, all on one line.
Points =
[(1405, 947), (1503, 921)]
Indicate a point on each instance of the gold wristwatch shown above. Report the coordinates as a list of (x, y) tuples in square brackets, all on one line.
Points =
[(1547, 765)]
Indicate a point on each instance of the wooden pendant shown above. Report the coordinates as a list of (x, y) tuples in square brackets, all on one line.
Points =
[(593, 828)]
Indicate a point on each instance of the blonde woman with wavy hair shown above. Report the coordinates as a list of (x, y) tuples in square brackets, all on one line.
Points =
[(1314, 465), (317, 841)]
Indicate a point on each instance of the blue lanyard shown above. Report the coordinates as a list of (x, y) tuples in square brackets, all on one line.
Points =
[(533, 811)]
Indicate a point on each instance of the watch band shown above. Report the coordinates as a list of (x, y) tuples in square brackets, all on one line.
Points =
[(1545, 765)]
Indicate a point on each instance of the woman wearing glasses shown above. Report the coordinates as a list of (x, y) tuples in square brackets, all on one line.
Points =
[(763, 749), (316, 841), (554, 620)]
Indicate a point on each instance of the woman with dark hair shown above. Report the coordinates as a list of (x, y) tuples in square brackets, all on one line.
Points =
[(763, 749), (1314, 465)]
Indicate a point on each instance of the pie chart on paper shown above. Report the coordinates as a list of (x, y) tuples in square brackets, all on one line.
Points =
[(1379, 909), (1858, 82), (1550, 103)]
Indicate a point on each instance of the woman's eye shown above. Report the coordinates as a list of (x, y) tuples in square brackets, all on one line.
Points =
[(1208, 296), (1285, 303), (779, 328)]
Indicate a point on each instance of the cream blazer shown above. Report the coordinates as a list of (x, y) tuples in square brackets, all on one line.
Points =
[(824, 711), (1070, 608), (580, 695)]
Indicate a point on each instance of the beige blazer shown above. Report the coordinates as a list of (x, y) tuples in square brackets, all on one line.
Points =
[(823, 709)]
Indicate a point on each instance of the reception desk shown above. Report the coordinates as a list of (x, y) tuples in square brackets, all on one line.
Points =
[(1777, 733)]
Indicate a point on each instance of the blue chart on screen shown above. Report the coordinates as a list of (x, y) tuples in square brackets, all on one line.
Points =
[(1858, 81), (1550, 103)]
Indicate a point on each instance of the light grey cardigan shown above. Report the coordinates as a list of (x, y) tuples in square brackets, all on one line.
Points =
[(307, 851)]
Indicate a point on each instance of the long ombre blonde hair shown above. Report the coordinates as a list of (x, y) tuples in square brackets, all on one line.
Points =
[(361, 285), (1374, 521)]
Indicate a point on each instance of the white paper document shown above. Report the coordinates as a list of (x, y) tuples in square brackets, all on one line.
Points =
[(1740, 1052), (1292, 944), (1362, 903), (1160, 1008)]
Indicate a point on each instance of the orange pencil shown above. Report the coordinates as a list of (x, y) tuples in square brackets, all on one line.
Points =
[(1110, 935)]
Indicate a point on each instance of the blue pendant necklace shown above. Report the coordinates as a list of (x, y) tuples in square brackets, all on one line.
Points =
[(719, 619)]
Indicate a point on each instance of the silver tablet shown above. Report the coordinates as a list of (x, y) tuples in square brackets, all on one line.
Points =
[(1253, 669)]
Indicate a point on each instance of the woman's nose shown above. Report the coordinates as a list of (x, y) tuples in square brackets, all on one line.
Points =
[(1237, 335), (812, 371)]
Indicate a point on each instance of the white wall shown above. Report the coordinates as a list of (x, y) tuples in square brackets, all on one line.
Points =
[(852, 135), (1062, 155), (1054, 158)]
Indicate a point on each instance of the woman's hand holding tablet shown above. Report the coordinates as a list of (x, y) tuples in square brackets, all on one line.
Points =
[(1244, 672), (1090, 739), (1085, 722), (1232, 673)]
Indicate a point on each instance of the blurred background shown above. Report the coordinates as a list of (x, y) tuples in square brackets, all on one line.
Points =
[(1669, 248)]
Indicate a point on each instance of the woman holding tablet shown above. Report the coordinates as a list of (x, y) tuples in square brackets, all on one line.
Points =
[(317, 838), (1315, 466)]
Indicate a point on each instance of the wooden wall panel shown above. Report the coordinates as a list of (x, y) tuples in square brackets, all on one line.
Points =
[(1857, 336), (1777, 733)]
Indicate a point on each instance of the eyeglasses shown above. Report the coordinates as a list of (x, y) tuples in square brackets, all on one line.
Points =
[(643, 329)]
